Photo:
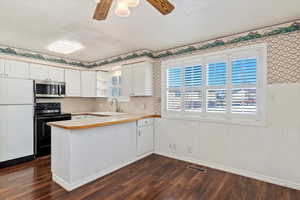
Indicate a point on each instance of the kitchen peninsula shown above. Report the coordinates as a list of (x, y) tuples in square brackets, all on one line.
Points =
[(89, 147)]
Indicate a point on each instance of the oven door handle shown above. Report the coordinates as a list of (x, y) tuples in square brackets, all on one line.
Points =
[(59, 90), (54, 118)]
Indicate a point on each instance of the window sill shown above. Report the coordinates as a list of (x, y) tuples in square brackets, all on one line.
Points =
[(245, 122)]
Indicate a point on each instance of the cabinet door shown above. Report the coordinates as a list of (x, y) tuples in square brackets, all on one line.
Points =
[(126, 81), (16, 69), (39, 72), (56, 74), (102, 84), (16, 131), (138, 80), (72, 78), (2, 64), (88, 84), (145, 140), (141, 81)]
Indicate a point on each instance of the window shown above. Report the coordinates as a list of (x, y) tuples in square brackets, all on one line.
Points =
[(184, 85), (174, 89), (225, 85), (216, 75), (193, 88), (244, 85)]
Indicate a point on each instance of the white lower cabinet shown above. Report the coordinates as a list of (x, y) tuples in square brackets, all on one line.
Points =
[(145, 136)]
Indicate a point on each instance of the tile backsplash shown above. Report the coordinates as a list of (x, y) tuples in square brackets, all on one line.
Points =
[(135, 105), (72, 105)]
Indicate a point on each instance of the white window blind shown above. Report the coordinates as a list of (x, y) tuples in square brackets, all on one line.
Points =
[(243, 75), (174, 83), (174, 77), (193, 100), (174, 100), (216, 75), (193, 76), (217, 85), (244, 71), (184, 88), (216, 100), (193, 90), (244, 101)]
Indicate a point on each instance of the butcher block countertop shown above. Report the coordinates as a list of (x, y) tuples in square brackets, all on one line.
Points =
[(99, 119)]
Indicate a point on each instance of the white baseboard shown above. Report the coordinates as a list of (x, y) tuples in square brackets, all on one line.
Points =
[(240, 172), (71, 186)]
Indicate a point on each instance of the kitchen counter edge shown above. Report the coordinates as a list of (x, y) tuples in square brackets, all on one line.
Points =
[(106, 123)]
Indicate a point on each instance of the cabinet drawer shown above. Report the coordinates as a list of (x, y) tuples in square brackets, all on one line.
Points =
[(145, 122)]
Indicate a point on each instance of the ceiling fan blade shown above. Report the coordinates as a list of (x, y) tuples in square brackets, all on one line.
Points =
[(102, 9), (163, 6)]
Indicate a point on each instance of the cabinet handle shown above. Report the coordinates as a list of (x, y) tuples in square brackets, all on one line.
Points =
[(139, 132)]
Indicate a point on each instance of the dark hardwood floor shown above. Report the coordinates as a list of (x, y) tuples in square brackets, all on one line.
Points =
[(154, 177)]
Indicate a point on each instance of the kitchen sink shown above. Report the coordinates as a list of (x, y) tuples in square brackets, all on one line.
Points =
[(88, 116), (96, 115)]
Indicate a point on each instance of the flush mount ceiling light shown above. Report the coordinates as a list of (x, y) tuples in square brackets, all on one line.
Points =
[(122, 10), (65, 46)]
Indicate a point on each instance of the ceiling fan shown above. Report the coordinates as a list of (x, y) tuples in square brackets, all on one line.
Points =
[(103, 7)]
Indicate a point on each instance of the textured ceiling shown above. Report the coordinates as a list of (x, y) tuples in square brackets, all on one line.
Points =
[(33, 24)]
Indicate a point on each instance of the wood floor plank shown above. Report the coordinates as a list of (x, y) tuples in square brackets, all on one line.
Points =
[(152, 178)]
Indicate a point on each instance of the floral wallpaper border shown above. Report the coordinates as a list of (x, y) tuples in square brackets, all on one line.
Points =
[(38, 56), (261, 33), (237, 38)]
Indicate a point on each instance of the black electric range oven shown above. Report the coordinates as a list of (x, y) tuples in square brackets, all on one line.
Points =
[(44, 113)]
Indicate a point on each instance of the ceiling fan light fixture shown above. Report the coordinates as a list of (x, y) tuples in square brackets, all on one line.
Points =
[(122, 9), (133, 3)]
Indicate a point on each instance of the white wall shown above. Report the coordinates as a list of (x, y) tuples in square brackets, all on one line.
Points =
[(269, 153)]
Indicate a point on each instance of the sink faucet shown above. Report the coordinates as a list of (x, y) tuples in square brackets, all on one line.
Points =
[(115, 105)]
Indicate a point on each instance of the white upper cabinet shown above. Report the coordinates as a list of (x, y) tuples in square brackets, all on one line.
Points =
[(2, 65), (73, 83), (88, 84), (39, 72), (14, 69), (126, 81), (102, 84), (45, 73), (56, 74), (142, 75), (137, 79)]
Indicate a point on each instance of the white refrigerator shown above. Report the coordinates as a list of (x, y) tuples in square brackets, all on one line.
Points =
[(16, 119)]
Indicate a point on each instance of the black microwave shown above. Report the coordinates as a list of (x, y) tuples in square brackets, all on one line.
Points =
[(50, 89)]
